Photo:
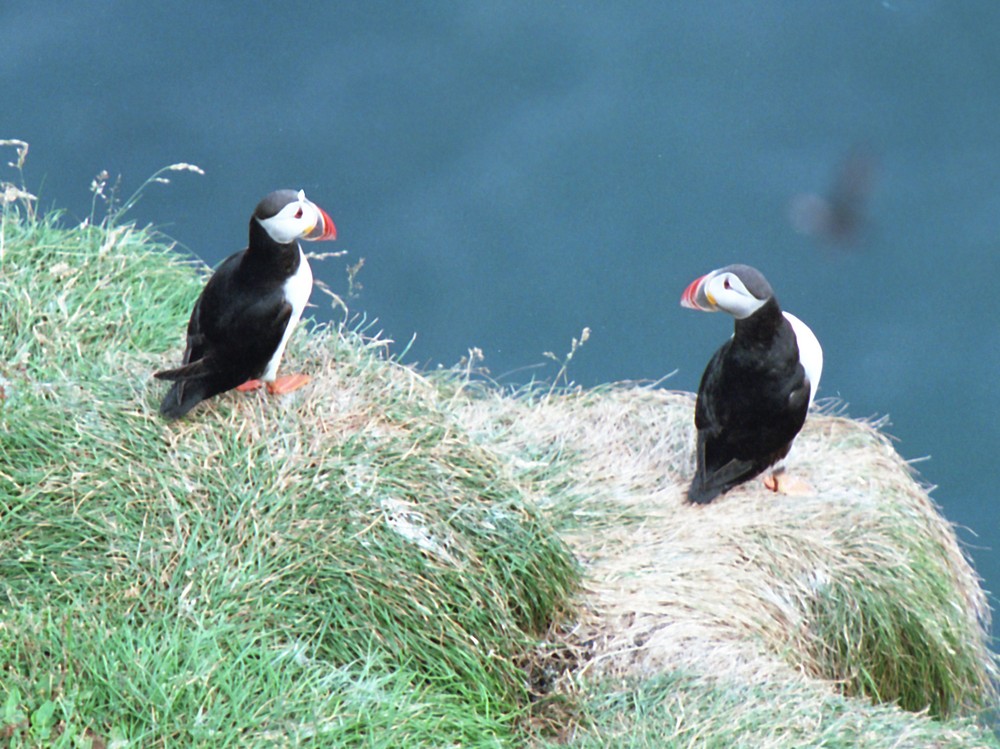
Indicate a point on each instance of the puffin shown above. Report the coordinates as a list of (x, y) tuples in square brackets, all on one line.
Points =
[(840, 216), (756, 390), (242, 320)]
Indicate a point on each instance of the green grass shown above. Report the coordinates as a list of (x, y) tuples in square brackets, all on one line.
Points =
[(684, 711), (357, 570), (390, 558)]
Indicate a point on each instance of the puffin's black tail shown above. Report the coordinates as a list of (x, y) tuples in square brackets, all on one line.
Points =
[(193, 383), (699, 494), (198, 368), (182, 397), (707, 486)]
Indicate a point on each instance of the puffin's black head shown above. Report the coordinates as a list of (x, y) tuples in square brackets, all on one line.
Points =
[(737, 289), (287, 215)]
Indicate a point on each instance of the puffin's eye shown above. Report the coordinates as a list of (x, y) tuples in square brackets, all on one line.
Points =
[(726, 284), (298, 213)]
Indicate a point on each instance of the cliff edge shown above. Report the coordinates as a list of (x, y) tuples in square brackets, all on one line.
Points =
[(396, 558)]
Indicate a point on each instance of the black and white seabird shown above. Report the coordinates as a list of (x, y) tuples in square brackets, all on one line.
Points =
[(841, 215), (245, 315), (756, 389)]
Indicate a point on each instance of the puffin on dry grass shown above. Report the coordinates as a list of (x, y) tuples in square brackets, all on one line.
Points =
[(756, 389), (242, 321)]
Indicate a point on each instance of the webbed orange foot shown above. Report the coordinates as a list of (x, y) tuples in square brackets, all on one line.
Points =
[(288, 383), (788, 485)]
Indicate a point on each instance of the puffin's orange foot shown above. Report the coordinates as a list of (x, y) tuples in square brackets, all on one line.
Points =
[(788, 485), (250, 385), (288, 383)]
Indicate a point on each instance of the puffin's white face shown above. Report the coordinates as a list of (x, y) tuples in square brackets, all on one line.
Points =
[(299, 219), (727, 292), (722, 290)]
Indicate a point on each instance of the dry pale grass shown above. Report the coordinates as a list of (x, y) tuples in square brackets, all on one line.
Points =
[(851, 583)]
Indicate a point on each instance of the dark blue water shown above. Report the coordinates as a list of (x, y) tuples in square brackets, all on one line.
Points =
[(512, 172)]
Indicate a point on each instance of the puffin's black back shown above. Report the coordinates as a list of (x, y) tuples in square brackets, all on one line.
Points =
[(752, 401)]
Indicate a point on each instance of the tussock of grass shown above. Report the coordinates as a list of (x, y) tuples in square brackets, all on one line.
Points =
[(246, 573), (683, 710), (859, 583), (387, 558)]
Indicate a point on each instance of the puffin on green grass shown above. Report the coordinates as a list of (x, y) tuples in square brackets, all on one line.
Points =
[(245, 315)]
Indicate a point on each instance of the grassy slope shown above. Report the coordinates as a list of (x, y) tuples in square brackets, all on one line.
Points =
[(762, 619), (374, 560)]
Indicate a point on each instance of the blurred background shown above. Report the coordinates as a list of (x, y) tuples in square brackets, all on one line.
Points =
[(512, 172)]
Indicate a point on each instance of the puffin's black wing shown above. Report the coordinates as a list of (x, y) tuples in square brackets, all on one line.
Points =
[(718, 467), (233, 331)]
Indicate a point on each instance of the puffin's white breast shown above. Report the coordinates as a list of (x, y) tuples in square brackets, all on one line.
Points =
[(810, 352), (296, 290)]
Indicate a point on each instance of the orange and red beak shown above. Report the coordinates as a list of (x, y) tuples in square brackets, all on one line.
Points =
[(324, 228), (695, 297)]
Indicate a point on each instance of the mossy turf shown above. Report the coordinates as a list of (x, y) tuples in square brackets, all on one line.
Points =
[(353, 569), (390, 558), (685, 711)]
